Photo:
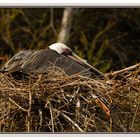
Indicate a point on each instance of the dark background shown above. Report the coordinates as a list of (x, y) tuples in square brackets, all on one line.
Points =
[(107, 37)]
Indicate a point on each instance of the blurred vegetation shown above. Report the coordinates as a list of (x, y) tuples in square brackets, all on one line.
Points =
[(107, 37)]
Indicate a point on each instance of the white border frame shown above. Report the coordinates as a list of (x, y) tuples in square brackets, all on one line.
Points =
[(70, 3)]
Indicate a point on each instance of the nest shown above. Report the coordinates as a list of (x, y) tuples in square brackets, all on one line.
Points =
[(54, 102)]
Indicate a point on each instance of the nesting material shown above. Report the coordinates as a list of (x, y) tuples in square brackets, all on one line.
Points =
[(54, 102)]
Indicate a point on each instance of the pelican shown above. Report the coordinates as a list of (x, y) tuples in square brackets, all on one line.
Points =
[(57, 55)]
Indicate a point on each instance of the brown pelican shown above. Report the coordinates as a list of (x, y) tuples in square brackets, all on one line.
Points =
[(58, 55)]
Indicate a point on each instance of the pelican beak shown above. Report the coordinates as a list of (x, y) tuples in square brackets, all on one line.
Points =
[(84, 62), (77, 58)]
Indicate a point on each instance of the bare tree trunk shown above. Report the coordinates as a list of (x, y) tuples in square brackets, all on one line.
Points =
[(64, 33)]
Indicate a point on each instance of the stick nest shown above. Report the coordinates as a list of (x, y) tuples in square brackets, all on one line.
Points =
[(57, 103)]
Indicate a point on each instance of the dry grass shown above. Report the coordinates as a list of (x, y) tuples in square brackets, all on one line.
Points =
[(56, 103)]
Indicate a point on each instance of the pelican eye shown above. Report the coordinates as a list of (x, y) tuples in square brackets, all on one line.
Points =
[(67, 52)]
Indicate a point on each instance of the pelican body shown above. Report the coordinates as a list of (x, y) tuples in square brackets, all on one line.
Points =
[(58, 55)]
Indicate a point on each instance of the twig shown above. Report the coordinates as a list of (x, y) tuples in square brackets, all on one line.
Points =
[(126, 69), (76, 125), (101, 104), (30, 108), (13, 89), (40, 119), (52, 22), (18, 105), (110, 125), (51, 118), (100, 33), (132, 126)]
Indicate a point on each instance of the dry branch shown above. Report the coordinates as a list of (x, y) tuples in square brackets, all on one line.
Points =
[(66, 25), (136, 66)]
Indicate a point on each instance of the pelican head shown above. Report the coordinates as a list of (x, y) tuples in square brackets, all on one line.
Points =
[(61, 48), (65, 50)]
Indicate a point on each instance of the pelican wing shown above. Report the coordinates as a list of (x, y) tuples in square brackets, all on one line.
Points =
[(71, 67), (41, 61), (14, 64)]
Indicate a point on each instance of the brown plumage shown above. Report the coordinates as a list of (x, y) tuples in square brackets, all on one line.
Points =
[(59, 55)]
